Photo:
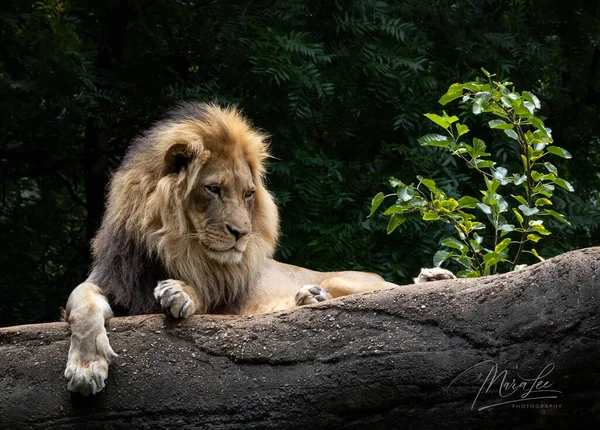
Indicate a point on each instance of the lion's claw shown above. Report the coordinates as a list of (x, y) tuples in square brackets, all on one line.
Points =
[(173, 300), (87, 366)]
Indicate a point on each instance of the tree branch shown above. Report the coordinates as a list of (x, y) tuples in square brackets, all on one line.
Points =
[(71, 191)]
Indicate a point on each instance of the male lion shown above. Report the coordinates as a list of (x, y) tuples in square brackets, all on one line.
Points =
[(190, 228)]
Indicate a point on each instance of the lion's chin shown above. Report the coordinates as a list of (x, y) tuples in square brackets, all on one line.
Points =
[(229, 256)]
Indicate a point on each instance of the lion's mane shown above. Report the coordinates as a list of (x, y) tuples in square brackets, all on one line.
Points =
[(145, 235)]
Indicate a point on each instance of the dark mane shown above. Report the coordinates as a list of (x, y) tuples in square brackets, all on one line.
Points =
[(127, 273)]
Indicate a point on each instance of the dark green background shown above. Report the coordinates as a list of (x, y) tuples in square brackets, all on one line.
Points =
[(341, 86)]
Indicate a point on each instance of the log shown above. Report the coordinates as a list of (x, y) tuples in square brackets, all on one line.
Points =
[(519, 350)]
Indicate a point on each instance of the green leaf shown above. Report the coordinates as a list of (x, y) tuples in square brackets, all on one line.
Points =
[(467, 202), (472, 274), (454, 92), (481, 102), (394, 222), (500, 173), (512, 134), (464, 216), (534, 252), (406, 193), (451, 119), (563, 184), (484, 208), (430, 184), (521, 109), (440, 256), (430, 216), (475, 245), (395, 209), (491, 259), (541, 230), (531, 98), (530, 108), (533, 237), (544, 189), (462, 129), (499, 124), (449, 204), (518, 179), (507, 228), (524, 161), (395, 183), (481, 164), (376, 202), (537, 176), (441, 121), (539, 124), (518, 215), (418, 201), (478, 148), (542, 202), (557, 150), (556, 215), (550, 167), (434, 140), (502, 245), (501, 203), (451, 242), (491, 184), (527, 210), (506, 102), (520, 199), (477, 226)]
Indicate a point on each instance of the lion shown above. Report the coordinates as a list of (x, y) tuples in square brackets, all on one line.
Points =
[(190, 228)]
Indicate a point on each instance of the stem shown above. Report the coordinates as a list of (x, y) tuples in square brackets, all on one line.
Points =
[(529, 188), (473, 252), (496, 220)]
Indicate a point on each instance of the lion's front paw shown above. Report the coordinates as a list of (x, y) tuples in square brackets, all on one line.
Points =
[(87, 365), (310, 294), (435, 274), (173, 299)]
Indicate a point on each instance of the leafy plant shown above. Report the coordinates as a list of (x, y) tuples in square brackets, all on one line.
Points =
[(507, 220)]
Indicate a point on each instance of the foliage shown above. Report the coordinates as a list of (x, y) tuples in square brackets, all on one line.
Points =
[(533, 189), (339, 85)]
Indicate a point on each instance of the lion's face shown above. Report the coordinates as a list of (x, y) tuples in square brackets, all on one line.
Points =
[(192, 191), (221, 206)]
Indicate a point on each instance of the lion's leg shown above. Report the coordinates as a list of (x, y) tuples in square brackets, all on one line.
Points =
[(90, 352), (176, 298), (339, 286)]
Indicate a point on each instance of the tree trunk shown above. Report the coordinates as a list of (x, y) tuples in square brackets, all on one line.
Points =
[(520, 350)]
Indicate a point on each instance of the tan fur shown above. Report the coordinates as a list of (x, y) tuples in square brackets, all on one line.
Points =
[(153, 206), (166, 234)]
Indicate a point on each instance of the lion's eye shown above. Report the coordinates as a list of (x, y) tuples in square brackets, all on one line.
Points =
[(215, 189), (249, 194)]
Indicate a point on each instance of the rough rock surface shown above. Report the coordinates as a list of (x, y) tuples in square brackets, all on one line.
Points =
[(417, 356)]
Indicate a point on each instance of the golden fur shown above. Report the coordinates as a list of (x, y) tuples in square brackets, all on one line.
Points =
[(152, 207), (190, 228)]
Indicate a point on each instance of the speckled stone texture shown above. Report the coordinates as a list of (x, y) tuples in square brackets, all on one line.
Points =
[(418, 356)]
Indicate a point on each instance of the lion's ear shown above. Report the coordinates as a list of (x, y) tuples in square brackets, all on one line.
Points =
[(178, 157)]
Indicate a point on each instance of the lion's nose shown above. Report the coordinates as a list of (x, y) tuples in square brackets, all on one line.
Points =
[(237, 231)]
